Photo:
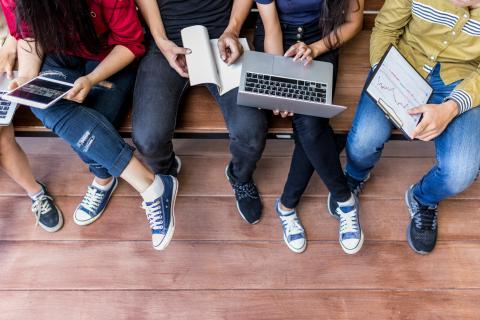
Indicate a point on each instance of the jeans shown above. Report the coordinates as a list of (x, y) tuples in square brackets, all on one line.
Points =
[(457, 148), (158, 92), (315, 144), (88, 127)]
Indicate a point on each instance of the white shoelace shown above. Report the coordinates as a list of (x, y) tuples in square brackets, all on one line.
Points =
[(292, 224), (92, 199), (348, 221), (154, 215), (41, 206)]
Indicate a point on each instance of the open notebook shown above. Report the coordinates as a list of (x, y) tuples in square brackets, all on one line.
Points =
[(205, 64)]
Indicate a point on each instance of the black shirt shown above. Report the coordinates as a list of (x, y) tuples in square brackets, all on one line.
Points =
[(178, 14)]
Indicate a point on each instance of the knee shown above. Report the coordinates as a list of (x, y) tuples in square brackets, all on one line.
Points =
[(310, 129), (150, 142), (457, 178), (364, 143), (250, 138)]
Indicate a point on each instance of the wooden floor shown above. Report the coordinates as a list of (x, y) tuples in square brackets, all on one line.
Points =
[(217, 266)]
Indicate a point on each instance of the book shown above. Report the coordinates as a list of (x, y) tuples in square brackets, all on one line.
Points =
[(204, 62), (397, 87)]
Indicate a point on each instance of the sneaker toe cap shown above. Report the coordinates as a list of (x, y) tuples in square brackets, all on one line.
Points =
[(158, 240), (298, 244), (350, 244), (81, 215)]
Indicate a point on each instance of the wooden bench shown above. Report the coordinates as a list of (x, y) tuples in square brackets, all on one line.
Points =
[(199, 116)]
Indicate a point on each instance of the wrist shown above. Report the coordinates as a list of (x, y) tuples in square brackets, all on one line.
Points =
[(232, 29), (452, 107), (92, 79)]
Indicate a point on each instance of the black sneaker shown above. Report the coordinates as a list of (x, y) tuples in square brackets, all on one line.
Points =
[(249, 204), (355, 186), (423, 226), (48, 216)]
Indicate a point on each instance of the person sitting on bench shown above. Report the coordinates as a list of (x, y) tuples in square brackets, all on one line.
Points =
[(441, 39)]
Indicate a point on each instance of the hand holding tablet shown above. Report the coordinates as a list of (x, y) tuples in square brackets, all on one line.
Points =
[(40, 92)]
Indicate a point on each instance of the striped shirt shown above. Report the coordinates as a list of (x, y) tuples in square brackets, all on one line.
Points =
[(428, 32)]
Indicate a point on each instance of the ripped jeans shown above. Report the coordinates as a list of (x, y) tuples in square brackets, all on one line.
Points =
[(89, 127)]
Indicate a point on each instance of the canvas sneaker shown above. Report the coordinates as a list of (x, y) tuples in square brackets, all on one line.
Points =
[(355, 186), (350, 233), (293, 231), (47, 214)]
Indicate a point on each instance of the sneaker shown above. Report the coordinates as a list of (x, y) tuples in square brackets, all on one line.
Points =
[(350, 231), (248, 200), (160, 213), (93, 204), (47, 214), (293, 231), (423, 226), (355, 186)]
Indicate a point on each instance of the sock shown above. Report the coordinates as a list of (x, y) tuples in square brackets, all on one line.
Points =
[(154, 191), (350, 202), (283, 212), (103, 188), (34, 196)]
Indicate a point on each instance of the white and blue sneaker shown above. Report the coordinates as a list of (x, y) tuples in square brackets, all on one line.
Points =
[(160, 211), (94, 203), (293, 231), (350, 233)]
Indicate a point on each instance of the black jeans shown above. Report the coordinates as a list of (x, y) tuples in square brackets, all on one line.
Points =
[(158, 92), (315, 145)]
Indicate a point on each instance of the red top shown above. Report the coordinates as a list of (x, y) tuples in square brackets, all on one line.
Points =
[(116, 23)]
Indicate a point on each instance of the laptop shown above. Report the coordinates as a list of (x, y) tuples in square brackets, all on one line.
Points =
[(7, 108), (276, 82)]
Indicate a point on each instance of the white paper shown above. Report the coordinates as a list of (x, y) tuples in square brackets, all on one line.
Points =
[(200, 63), (398, 87), (229, 75)]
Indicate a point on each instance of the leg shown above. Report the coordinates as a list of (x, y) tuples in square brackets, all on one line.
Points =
[(458, 161), (370, 130), (15, 163), (247, 129), (158, 90)]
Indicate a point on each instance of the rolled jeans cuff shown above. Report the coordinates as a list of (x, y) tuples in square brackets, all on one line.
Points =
[(123, 159)]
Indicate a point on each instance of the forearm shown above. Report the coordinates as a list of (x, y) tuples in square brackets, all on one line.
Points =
[(119, 58), (10, 44), (151, 13), (345, 32), (240, 12), (273, 42), (29, 59)]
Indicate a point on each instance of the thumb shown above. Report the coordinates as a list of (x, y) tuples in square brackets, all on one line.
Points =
[(417, 110), (13, 85), (181, 50), (74, 91)]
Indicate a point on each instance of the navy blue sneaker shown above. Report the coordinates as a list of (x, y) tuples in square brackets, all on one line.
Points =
[(423, 226), (160, 213), (293, 231), (350, 234), (47, 214), (248, 200), (355, 186), (93, 204)]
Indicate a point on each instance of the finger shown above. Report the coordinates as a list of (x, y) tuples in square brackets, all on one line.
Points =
[(73, 92), (284, 114), (9, 71), (180, 70), (308, 60), (181, 50), (417, 110), (235, 52), (13, 85), (299, 54), (290, 114), (222, 47), (420, 129), (306, 54), (291, 51), (276, 112)]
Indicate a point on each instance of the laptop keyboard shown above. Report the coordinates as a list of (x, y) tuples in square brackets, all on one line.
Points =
[(4, 107), (285, 87)]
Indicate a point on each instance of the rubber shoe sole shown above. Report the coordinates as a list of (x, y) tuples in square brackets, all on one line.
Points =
[(58, 226), (90, 221), (356, 249), (238, 208), (409, 238), (302, 249), (171, 226)]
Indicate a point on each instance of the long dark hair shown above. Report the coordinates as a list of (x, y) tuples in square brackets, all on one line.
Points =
[(332, 17), (59, 25)]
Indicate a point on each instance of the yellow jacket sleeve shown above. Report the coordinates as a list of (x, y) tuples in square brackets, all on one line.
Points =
[(389, 26), (466, 94)]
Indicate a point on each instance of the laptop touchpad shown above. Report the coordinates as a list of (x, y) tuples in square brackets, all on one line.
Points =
[(286, 67)]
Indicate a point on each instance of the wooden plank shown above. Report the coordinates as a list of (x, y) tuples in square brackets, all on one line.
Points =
[(234, 265), (263, 304), (396, 173), (216, 219)]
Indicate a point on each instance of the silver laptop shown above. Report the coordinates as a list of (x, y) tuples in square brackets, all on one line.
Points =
[(276, 82), (7, 108)]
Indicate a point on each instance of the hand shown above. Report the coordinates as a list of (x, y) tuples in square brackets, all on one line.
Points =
[(230, 47), (175, 56), (17, 82), (80, 90), (466, 3), (302, 51), (436, 118), (283, 114), (8, 57)]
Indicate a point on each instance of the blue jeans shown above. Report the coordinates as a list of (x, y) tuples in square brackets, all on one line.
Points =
[(159, 90), (89, 127), (457, 148)]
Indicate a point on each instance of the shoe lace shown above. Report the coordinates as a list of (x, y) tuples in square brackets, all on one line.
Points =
[(93, 198), (425, 218), (153, 210), (291, 224), (348, 221), (245, 190), (41, 206)]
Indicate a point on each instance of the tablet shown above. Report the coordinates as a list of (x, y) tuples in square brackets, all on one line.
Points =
[(40, 92)]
